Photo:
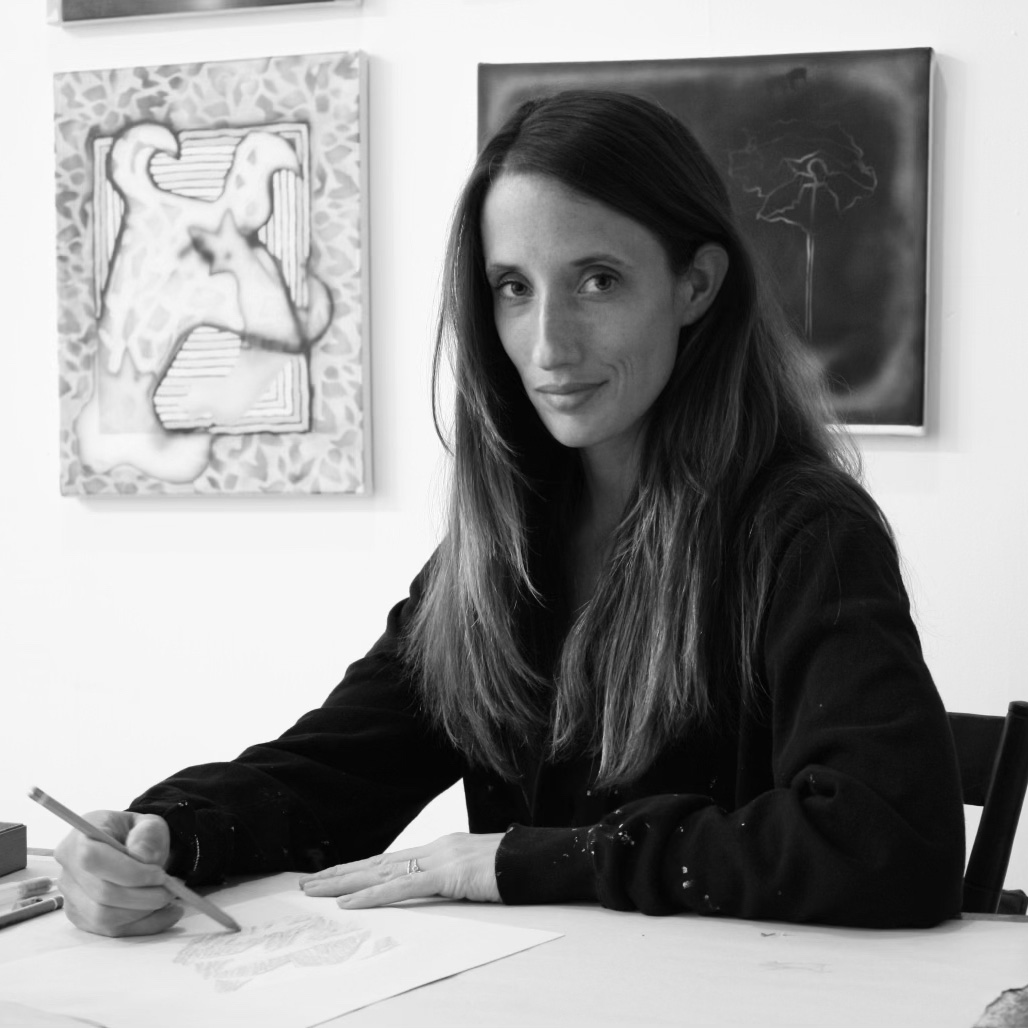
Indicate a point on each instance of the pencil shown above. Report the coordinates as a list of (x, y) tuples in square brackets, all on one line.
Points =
[(173, 885), (32, 910)]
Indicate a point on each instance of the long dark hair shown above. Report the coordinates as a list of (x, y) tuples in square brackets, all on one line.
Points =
[(740, 431)]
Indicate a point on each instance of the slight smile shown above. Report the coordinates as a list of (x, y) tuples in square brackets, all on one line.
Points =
[(568, 396)]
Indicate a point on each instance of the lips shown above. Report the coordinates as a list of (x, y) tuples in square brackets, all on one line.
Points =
[(567, 396)]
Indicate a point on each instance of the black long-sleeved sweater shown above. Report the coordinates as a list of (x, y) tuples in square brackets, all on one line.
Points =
[(833, 798)]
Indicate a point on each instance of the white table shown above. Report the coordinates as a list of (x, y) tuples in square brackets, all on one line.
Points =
[(620, 969)]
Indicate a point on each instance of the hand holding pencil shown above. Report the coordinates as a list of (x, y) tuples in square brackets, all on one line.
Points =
[(111, 892)]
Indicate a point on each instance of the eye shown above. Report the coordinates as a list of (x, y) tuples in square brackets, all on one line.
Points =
[(511, 289), (600, 282)]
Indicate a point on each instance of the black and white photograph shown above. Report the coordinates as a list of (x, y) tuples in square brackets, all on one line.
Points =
[(514, 514)]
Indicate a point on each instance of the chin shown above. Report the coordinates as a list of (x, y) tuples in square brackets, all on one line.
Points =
[(574, 437)]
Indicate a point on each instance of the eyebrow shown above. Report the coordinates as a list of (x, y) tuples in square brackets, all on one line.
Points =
[(600, 258), (580, 262)]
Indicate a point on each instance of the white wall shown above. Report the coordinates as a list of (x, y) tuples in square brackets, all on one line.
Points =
[(137, 637)]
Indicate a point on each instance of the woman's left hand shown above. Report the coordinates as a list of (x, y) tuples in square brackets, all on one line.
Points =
[(458, 866)]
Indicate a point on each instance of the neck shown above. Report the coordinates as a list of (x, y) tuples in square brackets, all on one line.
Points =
[(610, 475), (609, 478)]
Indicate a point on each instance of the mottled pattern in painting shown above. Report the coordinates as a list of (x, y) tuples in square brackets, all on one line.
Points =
[(209, 275)]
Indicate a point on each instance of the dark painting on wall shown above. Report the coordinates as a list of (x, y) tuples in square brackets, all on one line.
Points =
[(826, 157), (93, 10)]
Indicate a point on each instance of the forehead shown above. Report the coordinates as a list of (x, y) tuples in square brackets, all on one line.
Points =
[(531, 218)]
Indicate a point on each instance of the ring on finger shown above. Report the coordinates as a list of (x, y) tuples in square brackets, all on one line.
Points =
[(412, 867)]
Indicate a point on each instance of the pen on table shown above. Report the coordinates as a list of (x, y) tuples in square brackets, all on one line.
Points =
[(29, 887), (44, 906), (173, 885)]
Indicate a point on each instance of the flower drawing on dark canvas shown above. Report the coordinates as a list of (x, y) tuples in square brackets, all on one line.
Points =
[(803, 174), (211, 354), (826, 160)]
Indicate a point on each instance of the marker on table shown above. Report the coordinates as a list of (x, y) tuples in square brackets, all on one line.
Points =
[(44, 906), (29, 902), (29, 887), (173, 885)]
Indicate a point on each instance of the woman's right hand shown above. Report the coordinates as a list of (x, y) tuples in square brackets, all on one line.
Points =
[(106, 892)]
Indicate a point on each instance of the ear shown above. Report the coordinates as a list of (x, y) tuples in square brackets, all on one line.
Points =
[(698, 287)]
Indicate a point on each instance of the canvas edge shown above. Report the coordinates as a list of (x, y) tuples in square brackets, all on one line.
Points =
[(928, 415), (55, 12), (363, 121), (906, 431)]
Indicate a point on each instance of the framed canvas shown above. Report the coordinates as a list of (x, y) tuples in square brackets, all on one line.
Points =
[(73, 11), (826, 157), (211, 235)]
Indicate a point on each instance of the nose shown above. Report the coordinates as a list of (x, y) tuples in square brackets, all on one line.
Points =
[(557, 333)]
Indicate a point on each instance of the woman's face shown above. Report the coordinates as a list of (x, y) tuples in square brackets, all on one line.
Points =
[(586, 307)]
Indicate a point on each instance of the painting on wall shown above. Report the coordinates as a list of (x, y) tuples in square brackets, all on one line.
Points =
[(211, 236), (826, 157), (71, 11)]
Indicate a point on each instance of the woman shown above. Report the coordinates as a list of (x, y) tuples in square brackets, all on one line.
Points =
[(665, 641)]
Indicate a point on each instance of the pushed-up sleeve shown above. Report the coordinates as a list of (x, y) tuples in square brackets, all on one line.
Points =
[(339, 785), (863, 824)]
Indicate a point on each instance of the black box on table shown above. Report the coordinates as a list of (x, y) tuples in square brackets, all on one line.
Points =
[(13, 847)]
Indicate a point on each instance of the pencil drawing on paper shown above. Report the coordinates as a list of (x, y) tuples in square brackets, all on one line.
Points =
[(231, 961), (203, 212)]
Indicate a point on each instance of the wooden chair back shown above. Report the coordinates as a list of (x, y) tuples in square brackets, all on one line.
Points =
[(993, 756)]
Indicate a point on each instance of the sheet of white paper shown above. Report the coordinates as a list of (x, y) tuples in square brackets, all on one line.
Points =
[(297, 962), (16, 1015)]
